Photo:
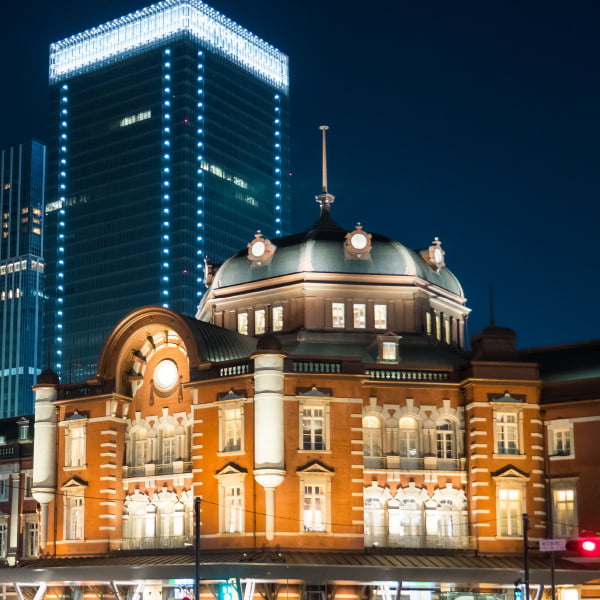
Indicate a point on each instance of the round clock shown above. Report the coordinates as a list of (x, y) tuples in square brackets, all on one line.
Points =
[(165, 374), (258, 249), (359, 241)]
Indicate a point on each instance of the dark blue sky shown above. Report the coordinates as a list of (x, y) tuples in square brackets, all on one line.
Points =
[(477, 122)]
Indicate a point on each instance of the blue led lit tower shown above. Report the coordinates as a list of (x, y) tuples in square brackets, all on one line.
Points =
[(169, 146), (22, 181)]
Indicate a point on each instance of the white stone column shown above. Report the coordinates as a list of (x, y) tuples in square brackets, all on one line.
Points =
[(269, 433), (44, 453)]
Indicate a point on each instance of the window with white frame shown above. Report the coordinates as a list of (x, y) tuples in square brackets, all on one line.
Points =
[(30, 536), (260, 321), (372, 436), (75, 445), (313, 427), (74, 514), (560, 434), (408, 437), (338, 314), (507, 433), (509, 508), (4, 487), (406, 521), (389, 350), (360, 316), (313, 513), (139, 441), (167, 444), (231, 420), (380, 316), (564, 508), (231, 500), (242, 323), (3, 537), (445, 439), (277, 317)]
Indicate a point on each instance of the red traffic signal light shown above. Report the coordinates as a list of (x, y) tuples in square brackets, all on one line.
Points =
[(585, 546)]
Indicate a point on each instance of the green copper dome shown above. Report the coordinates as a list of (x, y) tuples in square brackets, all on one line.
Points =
[(323, 249)]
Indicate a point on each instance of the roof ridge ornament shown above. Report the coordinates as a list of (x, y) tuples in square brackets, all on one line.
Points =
[(325, 199)]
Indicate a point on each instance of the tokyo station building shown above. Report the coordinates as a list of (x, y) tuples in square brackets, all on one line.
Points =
[(317, 432)]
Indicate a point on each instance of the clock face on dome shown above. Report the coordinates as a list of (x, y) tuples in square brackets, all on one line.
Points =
[(258, 249), (359, 241), (165, 374)]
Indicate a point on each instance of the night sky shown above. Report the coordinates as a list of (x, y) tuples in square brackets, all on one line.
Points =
[(477, 122)]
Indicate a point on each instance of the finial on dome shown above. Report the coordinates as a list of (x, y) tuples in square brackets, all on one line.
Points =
[(325, 199)]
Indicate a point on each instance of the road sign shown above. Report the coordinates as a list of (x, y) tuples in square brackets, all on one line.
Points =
[(552, 545)]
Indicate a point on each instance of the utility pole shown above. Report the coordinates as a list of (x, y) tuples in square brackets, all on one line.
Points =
[(197, 547), (525, 555)]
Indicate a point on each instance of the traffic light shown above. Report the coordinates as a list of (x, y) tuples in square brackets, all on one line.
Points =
[(518, 590), (585, 546), (227, 592)]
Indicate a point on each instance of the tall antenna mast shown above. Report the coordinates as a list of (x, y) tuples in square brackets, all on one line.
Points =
[(325, 199)]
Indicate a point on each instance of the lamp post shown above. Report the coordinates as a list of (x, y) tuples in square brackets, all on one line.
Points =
[(197, 548)]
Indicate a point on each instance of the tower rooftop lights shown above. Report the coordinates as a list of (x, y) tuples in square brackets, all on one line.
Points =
[(128, 35)]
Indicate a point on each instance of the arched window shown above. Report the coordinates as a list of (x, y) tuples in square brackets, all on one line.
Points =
[(447, 519), (375, 525), (372, 436), (445, 439), (409, 437)]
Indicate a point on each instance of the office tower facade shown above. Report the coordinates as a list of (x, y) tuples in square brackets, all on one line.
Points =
[(22, 182), (169, 147)]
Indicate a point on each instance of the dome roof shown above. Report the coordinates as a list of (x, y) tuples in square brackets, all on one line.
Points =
[(321, 249)]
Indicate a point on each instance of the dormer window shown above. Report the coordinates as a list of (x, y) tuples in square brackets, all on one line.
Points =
[(388, 348)]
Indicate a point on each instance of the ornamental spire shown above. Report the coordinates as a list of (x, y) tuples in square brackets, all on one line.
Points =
[(325, 199)]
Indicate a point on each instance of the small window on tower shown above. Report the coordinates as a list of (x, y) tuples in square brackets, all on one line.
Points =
[(242, 323), (360, 316), (337, 314), (259, 321), (277, 316), (380, 316)]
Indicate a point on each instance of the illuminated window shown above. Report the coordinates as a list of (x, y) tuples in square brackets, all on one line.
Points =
[(372, 439), (408, 437), (74, 514), (507, 433), (231, 500), (438, 326), (30, 535), (564, 510), (338, 314), (4, 488), (447, 331), (560, 435), (7, 186), (277, 316), (3, 537), (315, 499), (242, 323), (313, 511), (445, 439), (428, 323), (259, 321), (510, 512), (380, 313), (231, 419), (360, 316), (389, 350), (313, 422), (75, 445)]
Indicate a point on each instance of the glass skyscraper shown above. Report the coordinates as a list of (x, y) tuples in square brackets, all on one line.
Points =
[(22, 181), (169, 146)]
